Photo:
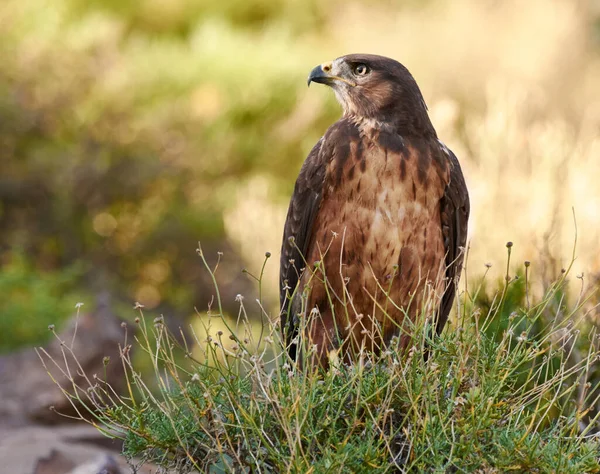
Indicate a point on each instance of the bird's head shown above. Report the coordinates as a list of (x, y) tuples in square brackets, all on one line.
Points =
[(378, 89)]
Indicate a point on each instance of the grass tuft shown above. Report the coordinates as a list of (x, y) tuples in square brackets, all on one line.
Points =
[(500, 391)]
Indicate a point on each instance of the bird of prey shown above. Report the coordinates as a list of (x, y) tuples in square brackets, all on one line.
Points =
[(377, 224)]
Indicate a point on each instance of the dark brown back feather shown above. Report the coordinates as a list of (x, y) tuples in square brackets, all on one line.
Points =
[(297, 232), (304, 207), (455, 208)]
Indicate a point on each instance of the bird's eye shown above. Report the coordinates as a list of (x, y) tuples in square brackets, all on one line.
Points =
[(361, 70)]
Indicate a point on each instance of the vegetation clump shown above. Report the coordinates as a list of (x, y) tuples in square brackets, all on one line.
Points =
[(505, 388)]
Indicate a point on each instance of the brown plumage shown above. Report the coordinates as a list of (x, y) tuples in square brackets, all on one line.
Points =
[(382, 205)]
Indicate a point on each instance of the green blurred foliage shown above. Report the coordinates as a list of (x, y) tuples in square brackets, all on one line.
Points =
[(180, 17), (32, 300)]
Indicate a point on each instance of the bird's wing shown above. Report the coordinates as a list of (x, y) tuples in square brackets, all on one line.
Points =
[(455, 210), (297, 231)]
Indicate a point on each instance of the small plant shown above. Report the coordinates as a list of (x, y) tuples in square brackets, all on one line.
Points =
[(513, 400)]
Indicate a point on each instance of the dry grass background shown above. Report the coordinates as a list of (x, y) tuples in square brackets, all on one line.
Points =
[(513, 88)]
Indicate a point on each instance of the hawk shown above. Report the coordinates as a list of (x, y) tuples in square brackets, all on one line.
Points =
[(377, 223)]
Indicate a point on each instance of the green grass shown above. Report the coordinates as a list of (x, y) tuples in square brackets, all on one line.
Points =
[(499, 392)]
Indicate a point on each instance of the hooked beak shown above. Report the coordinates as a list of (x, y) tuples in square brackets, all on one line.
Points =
[(322, 75), (318, 75)]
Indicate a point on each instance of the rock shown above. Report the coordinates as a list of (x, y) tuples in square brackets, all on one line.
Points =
[(55, 462), (69, 449), (105, 464), (27, 391)]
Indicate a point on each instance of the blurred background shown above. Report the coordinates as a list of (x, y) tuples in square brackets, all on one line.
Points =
[(131, 130)]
